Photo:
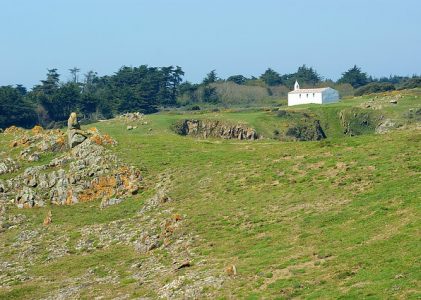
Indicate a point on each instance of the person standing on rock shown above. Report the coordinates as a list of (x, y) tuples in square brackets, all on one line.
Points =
[(75, 135)]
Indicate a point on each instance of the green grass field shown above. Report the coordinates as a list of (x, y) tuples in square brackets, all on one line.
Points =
[(338, 218)]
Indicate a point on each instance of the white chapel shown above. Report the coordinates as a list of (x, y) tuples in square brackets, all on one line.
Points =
[(319, 96)]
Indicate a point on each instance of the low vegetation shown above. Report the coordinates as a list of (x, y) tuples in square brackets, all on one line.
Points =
[(262, 219)]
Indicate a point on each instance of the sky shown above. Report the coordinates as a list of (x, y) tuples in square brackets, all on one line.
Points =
[(245, 37)]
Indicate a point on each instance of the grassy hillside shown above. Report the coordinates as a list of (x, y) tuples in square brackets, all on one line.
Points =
[(337, 218)]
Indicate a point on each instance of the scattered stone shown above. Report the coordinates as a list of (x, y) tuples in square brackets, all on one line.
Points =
[(132, 116), (47, 219), (231, 270), (184, 264), (129, 127), (108, 202), (393, 101), (147, 243)]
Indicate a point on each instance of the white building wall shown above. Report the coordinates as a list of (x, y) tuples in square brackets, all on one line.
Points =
[(330, 95), (304, 98)]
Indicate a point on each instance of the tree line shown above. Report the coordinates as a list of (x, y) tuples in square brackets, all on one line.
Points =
[(49, 103), (146, 89)]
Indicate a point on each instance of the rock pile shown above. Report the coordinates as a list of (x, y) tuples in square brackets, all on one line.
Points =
[(215, 128), (87, 172), (8, 165), (134, 116)]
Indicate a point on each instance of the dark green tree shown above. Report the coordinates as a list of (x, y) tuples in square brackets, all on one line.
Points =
[(271, 77), (210, 95), (50, 85), (211, 77), (238, 79), (74, 71), (354, 77), (307, 76), (15, 109)]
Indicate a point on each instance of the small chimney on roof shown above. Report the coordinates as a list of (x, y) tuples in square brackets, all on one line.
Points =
[(296, 86)]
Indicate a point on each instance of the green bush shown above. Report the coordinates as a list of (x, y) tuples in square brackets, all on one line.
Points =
[(375, 87), (411, 83)]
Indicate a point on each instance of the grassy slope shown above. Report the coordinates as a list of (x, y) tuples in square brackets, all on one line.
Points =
[(337, 218)]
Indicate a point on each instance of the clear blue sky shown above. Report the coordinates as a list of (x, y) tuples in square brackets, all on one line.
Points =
[(231, 36)]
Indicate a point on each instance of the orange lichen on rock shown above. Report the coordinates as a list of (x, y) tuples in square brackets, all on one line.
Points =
[(102, 187), (108, 140), (128, 179), (61, 140), (102, 139), (37, 129), (13, 130), (93, 130), (231, 270), (47, 219), (24, 141), (177, 217), (96, 139)]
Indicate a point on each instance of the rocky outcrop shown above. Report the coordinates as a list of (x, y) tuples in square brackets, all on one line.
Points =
[(298, 126), (308, 131), (357, 121), (215, 128), (385, 126), (88, 172), (8, 165)]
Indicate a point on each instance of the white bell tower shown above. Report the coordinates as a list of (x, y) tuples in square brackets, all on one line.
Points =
[(296, 86)]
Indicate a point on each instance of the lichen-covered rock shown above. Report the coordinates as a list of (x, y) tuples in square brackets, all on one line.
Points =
[(215, 128), (74, 133), (147, 243), (14, 130), (8, 165), (27, 198), (87, 172), (132, 116), (76, 139), (108, 202), (385, 126)]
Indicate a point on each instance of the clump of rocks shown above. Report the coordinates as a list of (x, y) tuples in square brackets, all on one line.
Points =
[(86, 172), (132, 116), (385, 126), (8, 165)]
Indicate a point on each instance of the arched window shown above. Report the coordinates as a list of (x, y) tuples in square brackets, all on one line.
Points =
[(299, 95), (307, 95)]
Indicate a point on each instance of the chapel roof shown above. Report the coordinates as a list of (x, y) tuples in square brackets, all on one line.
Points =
[(303, 91)]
